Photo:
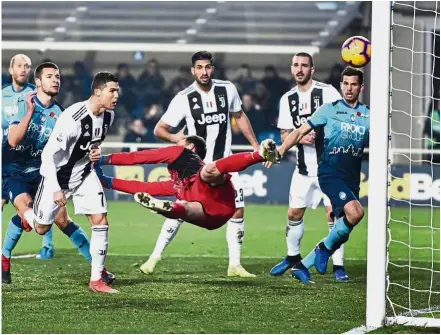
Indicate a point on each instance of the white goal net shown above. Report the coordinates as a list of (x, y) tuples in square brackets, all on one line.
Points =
[(413, 239)]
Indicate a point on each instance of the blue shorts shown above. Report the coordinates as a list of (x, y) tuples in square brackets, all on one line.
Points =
[(5, 189), (339, 192), (23, 183)]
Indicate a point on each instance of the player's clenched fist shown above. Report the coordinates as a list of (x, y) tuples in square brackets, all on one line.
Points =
[(60, 198), (31, 102), (95, 154)]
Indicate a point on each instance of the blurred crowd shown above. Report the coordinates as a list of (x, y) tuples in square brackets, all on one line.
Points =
[(144, 99)]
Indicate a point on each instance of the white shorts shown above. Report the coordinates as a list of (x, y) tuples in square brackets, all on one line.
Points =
[(238, 188), (305, 192), (88, 198)]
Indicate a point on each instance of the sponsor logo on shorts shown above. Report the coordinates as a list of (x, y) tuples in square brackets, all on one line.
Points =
[(342, 195), (40, 214)]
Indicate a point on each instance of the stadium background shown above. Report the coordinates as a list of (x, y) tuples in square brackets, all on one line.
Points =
[(252, 45)]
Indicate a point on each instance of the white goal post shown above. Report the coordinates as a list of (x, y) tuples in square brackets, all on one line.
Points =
[(380, 307)]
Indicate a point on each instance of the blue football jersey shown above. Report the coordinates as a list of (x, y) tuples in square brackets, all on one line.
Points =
[(26, 157), (10, 99), (346, 135)]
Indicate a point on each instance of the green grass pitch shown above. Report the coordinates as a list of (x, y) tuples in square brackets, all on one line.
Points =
[(190, 292)]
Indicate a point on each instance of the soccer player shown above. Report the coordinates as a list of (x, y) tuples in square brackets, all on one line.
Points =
[(346, 126), (296, 107), (19, 69), (67, 171), (29, 131), (206, 106), (205, 192)]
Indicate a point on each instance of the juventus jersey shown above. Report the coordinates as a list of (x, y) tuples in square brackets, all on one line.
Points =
[(296, 108), (207, 114), (65, 158)]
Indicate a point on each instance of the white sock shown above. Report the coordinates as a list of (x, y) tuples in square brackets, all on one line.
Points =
[(339, 254), (168, 232), (294, 234), (235, 234), (29, 216), (98, 250)]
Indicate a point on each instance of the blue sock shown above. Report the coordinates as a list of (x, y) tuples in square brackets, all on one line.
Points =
[(13, 234), (79, 238), (48, 241), (308, 261), (339, 234)]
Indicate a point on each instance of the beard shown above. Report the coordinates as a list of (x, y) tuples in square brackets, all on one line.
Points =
[(51, 93), (200, 82), (305, 79), (20, 81)]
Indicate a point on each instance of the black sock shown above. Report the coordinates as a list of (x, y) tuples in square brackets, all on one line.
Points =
[(337, 267), (299, 265), (294, 259), (322, 246)]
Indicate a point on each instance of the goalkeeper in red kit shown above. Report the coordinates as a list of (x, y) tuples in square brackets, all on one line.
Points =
[(205, 194)]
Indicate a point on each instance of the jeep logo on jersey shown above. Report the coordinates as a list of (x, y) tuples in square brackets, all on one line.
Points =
[(299, 120), (212, 118)]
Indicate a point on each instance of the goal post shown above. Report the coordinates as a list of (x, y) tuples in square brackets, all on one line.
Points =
[(403, 275), (378, 165)]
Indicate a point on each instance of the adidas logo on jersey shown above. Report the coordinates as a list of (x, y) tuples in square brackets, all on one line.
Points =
[(212, 119)]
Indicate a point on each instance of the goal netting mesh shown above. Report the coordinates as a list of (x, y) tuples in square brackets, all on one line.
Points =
[(413, 264)]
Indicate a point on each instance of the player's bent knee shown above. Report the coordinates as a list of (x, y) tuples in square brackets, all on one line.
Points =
[(296, 214), (355, 214), (22, 201), (98, 219), (41, 229), (62, 219)]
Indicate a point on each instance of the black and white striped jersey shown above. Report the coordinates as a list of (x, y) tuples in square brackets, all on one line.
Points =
[(65, 158), (207, 114), (295, 109)]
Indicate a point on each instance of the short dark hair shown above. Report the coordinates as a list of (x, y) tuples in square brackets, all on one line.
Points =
[(199, 144), (201, 55), (305, 54), (46, 65), (102, 78), (352, 71)]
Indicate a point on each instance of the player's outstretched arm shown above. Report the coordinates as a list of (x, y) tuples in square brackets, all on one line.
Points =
[(294, 138), (165, 155), (163, 131), (245, 127)]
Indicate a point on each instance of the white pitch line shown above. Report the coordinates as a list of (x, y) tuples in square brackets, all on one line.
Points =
[(201, 256), (364, 329)]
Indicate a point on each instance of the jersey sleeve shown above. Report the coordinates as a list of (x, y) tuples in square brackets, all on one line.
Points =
[(320, 117), (175, 112), (157, 188), (285, 119), (235, 103), (64, 131), (18, 112), (331, 95), (153, 156)]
